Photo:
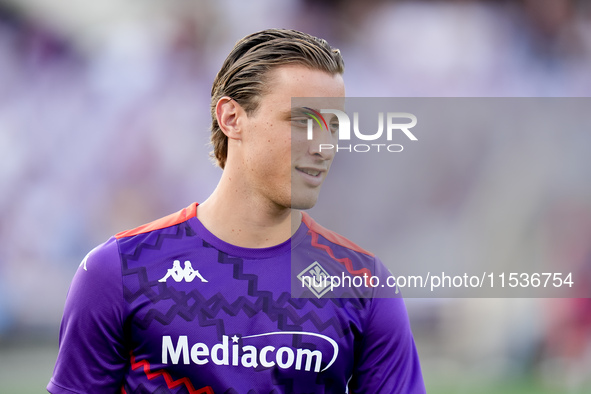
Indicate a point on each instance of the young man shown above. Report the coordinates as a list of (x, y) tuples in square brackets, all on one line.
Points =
[(136, 321)]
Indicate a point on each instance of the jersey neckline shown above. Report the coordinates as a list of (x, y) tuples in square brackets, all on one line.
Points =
[(243, 252)]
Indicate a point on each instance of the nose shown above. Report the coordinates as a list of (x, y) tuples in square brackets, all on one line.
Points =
[(323, 144)]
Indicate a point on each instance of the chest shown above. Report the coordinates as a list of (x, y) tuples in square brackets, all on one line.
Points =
[(218, 320)]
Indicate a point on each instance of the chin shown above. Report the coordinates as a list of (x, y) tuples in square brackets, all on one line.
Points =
[(303, 203)]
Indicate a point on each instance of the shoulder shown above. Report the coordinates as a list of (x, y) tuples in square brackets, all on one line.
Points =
[(98, 273), (101, 256), (316, 230), (106, 257), (337, 254), (162, 223), (334, 252)]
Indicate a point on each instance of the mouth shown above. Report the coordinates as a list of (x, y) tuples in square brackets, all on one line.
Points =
[(309, 171), (313, 177)]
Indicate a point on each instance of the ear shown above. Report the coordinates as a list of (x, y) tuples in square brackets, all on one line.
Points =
[(229, 113)]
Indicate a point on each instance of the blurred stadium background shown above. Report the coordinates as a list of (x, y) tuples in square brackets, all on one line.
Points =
[(104, 115)]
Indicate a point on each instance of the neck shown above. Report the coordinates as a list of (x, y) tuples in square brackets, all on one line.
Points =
[(243, 218)]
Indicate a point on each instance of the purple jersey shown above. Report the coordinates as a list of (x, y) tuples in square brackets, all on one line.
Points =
[(170, 308)]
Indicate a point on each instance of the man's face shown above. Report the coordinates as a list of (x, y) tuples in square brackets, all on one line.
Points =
[(279, 161)]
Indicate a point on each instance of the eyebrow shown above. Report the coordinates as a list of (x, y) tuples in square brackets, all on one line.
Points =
[(297, 111), (306, 111)]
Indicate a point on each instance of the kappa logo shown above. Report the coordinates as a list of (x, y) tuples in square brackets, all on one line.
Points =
[(179, 274), (318, 286)]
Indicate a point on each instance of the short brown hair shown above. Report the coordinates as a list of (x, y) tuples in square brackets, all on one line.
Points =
[(243, 74)]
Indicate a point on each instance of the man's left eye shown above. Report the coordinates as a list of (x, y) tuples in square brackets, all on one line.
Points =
[(299, 122)]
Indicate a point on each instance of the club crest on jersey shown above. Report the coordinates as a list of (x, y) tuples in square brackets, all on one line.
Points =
[(179, 274), (313, 277)]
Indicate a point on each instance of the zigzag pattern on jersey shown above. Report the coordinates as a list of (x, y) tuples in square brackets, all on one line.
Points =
[(282, 310), (194, 305), (170, 382), (344, 260), (141, 271)]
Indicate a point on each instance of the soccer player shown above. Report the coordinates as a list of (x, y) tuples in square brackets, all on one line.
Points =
[(135, 321)]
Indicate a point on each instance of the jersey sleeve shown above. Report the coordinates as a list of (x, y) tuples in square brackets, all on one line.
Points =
[(92, 354), (388, 361)]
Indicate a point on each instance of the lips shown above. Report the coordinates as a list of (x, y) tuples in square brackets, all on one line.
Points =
[(312, 176), (310, 171)]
